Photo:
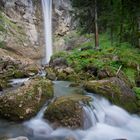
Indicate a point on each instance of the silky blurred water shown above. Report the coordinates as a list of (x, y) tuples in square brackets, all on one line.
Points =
[(103, 121)]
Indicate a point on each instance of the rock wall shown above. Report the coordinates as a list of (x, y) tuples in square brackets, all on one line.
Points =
[(22, 28), (19, 23), (62, 19), (63, 25)]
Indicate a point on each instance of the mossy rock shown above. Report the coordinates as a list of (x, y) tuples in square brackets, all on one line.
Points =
[(137, 91), (50, 74), (19, 74), (116, 90), (66, 111), (24, 102), (31, 70), (3, 84), (70, 75)]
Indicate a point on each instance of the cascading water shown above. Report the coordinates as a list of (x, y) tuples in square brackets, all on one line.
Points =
[(47, 12), (103, 121)]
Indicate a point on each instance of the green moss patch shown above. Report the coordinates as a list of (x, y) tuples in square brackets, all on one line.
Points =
[(24, 102), (66, 111), (112, 57)]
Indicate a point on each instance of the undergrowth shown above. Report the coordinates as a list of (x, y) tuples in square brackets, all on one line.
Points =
[(113, 57)]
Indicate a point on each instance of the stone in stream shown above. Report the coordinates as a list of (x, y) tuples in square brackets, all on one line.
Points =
[(66, 111), (116, 90), (25, 101)]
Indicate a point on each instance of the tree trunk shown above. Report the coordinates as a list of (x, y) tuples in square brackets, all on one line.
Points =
[(139, 32), (111, 24), (96, 27), (111, 34), (121, 21)]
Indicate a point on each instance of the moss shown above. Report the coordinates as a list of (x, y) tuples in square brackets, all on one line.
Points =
[(11, 27), (4, 84), (18, 74), (108, 56), (2, 44), (24, 102), (131, 74), (137, 90), (2, 29), (32, 69), (116, 91), (66, 111)]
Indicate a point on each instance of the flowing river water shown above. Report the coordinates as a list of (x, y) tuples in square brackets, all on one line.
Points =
[(103, 121)]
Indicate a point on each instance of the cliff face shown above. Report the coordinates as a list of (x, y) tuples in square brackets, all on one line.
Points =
[(22, 29), (18, 31), (63, 25), (62, 19)]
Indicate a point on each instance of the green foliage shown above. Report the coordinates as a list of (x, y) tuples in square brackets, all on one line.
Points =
[(8, 26), (111, 57), (120, 18), (129, 56), (137, 90), (2, 29), (131, 74), (2, 44), (60, 54)]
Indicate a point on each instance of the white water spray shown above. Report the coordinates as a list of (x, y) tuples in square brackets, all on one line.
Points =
[(47, 11), (102, 121)]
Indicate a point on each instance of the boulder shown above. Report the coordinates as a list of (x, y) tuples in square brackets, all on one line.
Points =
[(24, 102), (116, 90), (11, 68), (31, 70), (50, 74), (3, 84), (66, 111), (69, 74)]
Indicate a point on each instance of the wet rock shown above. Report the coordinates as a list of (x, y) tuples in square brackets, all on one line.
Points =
[(116, 90), (31, 70), (50, 74), (24, 102), (66, 111)]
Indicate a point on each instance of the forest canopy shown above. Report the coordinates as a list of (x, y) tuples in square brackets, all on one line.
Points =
[(119, 18)]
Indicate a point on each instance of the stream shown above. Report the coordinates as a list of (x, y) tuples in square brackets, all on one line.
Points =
[(103, 121)]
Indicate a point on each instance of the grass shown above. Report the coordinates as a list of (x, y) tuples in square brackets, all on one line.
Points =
[(10, 27), (2, 44), (113, 57), (137, 91)]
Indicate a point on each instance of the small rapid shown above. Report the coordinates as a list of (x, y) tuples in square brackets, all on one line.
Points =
[(102, 121)]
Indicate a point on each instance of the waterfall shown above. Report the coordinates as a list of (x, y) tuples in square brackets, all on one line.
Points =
[(47, 11)]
